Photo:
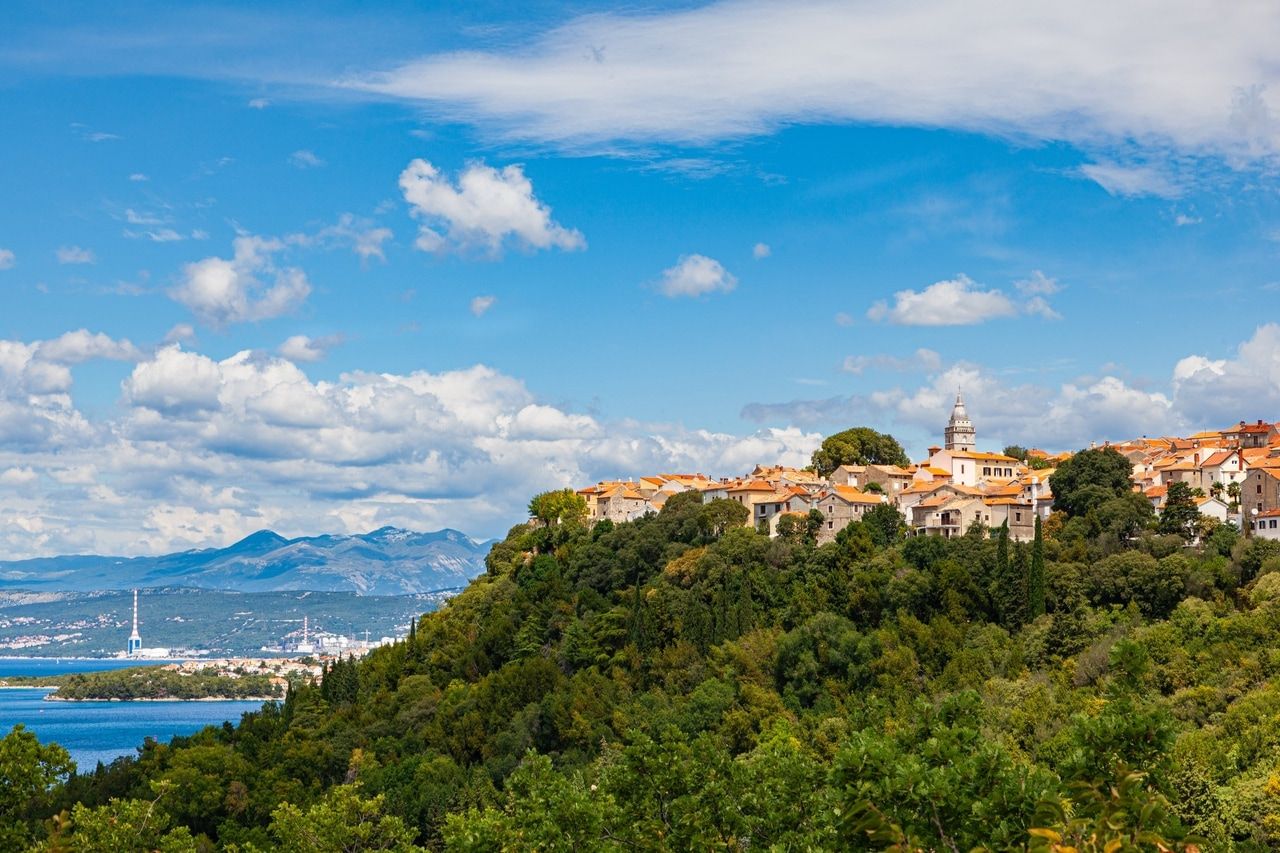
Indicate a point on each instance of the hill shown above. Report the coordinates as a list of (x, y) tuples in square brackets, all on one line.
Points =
[(677, 683), (388, 561)]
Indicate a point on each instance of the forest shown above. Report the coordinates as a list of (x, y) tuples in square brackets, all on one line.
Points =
[(683, 682), (153, 683)]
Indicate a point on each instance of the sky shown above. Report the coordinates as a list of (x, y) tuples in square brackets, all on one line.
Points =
[(323, 268)]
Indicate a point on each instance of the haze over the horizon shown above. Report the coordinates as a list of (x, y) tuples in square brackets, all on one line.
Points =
[(326, 271)]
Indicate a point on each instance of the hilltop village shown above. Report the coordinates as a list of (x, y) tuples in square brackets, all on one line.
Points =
[(1230, 472)]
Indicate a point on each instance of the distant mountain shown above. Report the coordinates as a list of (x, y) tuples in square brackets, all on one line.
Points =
[(388, 561)]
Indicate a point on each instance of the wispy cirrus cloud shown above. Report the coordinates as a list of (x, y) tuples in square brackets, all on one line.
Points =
[(1195, 77)]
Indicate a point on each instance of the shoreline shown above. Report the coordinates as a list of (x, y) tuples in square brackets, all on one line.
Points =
[(53, 698)]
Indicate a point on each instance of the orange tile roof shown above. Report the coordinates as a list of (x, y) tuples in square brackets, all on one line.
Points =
[(851, 495), (754, 486)]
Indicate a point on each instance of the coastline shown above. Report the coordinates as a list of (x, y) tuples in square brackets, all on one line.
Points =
[(53, 698)]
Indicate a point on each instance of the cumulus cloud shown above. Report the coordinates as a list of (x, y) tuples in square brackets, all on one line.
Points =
[(304, 158), (696, 275), (205, 450), (962, 302), (951, 302), (1247, 383), (486, 208), (304, 348), (1194, 76), (7, 259), (74, 255), (82, 345), (18, 476), (1067, 416), (221, 291), (481, 304), (180, 333), (761, 250)]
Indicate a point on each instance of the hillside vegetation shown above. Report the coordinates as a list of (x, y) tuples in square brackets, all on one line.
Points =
[(681, 683), (152, 683)]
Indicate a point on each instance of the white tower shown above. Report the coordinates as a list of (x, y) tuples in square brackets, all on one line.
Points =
[(960, 434), (135, 639)]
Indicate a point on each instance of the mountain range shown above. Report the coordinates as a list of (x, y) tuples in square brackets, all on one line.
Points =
[(388, 561)]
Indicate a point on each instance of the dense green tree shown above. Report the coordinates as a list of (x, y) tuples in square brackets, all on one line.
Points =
[(857, 446), (1017, 451), (1090, 478), (558, 507), (342, 821), (1035, 575), (28, 772), (1180, 512)]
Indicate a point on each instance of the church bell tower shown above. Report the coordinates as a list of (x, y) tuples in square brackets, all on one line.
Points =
[(960, 434)]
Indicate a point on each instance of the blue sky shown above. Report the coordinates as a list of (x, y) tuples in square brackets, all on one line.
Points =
[(329, 267)]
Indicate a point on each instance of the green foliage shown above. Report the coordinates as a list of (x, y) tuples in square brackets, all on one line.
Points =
[(28, 772), (342, 820), (1090, 478), (1035, 576), (1179, 514), (857, 446), (153, 682), (682, 682), (558, 507)]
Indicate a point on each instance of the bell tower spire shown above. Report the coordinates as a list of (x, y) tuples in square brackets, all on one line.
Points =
[(960, 434)]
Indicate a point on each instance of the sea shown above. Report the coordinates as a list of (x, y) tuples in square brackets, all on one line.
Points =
[(101, 731)]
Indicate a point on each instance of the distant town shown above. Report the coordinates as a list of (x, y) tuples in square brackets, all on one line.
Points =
[(1233, 472)]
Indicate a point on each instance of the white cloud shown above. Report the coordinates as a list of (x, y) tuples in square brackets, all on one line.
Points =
[(481, 304), (1183, 219), (221, 291), (304, 348), (1037, 284), (696, 275), (486, 208), (951, 302), (844, 319), (180, 333), (74, 255), (921, 360), (206, 450), (761, 250), (1193, 76), (18, 476), (363, 237), (1067, 416), (305, 159), (962, 302), (259, 103), (1131, 181), (82, 345), (7, 259), (138, 177), (1244, 386)]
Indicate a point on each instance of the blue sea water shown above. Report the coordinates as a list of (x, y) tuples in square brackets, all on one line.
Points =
[(101, 731)]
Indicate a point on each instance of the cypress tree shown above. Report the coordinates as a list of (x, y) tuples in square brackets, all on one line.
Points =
[(1009, 592), (1035, 577)]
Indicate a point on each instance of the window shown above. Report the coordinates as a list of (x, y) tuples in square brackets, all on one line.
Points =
[(1017, 516), (830, 524), (1273, 524), (986, 470), (962, 469)]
